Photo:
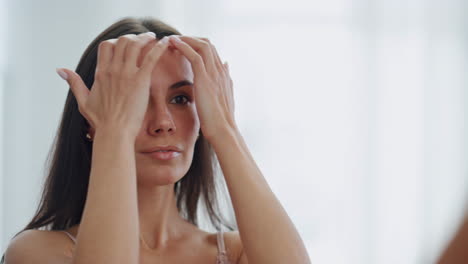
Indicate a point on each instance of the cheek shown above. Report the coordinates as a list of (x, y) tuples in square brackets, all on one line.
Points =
[(188, 125), (195, 113), (191, 121)]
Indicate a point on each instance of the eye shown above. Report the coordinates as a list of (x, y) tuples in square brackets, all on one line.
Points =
[(182, 96)]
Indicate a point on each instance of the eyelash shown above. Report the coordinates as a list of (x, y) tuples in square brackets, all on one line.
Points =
[(188, 99)]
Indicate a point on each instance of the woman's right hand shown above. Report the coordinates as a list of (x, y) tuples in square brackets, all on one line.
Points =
[(119, 96)]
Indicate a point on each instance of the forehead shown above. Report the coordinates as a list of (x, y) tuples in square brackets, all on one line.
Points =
[(171, 67), (174, 65)]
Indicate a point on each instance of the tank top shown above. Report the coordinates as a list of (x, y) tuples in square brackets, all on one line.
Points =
[(221, 258)]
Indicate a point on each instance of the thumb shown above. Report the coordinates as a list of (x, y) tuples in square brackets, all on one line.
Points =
[(77, 85)]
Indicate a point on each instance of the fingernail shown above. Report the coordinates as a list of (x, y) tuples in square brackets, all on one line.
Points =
[(176, 38), (164, 40), (62, 74), (151, 33)]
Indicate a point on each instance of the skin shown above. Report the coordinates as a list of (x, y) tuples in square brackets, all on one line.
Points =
[(171, 119), (168, 121), (266, 233), (456, 251), (275, 242)]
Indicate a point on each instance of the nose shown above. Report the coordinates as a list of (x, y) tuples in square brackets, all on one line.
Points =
[(161, 121)]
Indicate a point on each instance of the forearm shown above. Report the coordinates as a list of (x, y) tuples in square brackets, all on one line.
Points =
[(267, 233), (109, 228)]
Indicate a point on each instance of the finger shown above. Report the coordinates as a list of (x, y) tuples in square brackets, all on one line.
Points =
[(105, 53), (122, 42), (217, 60), (198, 65), (231, 84), (153, 55), (204, 49), (134, 48), (77, 86)]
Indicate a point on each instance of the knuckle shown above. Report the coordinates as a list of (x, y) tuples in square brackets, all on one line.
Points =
[(113, 70), (205, 44), (134, 44), (198, 59), (206, 40), (107, 73), (99, 76), (106, 44), (145, 35), (125, 38), (109, 41), (73, 83)]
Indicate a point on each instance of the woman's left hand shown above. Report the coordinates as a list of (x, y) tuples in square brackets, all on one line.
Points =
[(213, 92)]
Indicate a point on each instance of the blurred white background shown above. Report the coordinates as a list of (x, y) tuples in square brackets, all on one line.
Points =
[(355, 110)]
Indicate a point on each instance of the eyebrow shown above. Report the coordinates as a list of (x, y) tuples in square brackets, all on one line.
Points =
[(180, 84)]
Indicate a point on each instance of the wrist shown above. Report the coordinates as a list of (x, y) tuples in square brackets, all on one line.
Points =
[(222, 135), (114, 133)]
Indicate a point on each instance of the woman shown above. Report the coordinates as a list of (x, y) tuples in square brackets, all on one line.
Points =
[(135, 153)]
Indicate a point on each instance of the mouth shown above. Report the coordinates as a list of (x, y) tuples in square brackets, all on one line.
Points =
[(164, 155)]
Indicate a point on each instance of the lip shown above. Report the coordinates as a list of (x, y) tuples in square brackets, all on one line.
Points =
[(153, 149), (163, 155)]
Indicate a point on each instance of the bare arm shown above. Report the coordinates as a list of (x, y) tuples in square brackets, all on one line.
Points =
[(109, 227), (115, 106), (457, 250), (108, 231), (267, 233)]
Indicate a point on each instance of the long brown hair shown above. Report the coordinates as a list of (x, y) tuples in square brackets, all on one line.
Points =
[(65, 188)]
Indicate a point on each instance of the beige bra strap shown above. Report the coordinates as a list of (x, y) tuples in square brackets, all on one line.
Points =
[(70, 236), (221, 247)]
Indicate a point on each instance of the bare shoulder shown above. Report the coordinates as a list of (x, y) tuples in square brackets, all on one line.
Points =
[(37, 246)]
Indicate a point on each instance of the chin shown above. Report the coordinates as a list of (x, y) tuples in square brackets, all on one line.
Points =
[(159, 176)]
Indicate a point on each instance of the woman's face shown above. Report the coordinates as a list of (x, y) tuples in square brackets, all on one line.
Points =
[(171, 119)]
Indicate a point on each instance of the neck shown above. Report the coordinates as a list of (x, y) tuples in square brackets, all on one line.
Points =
[(160, 222)]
